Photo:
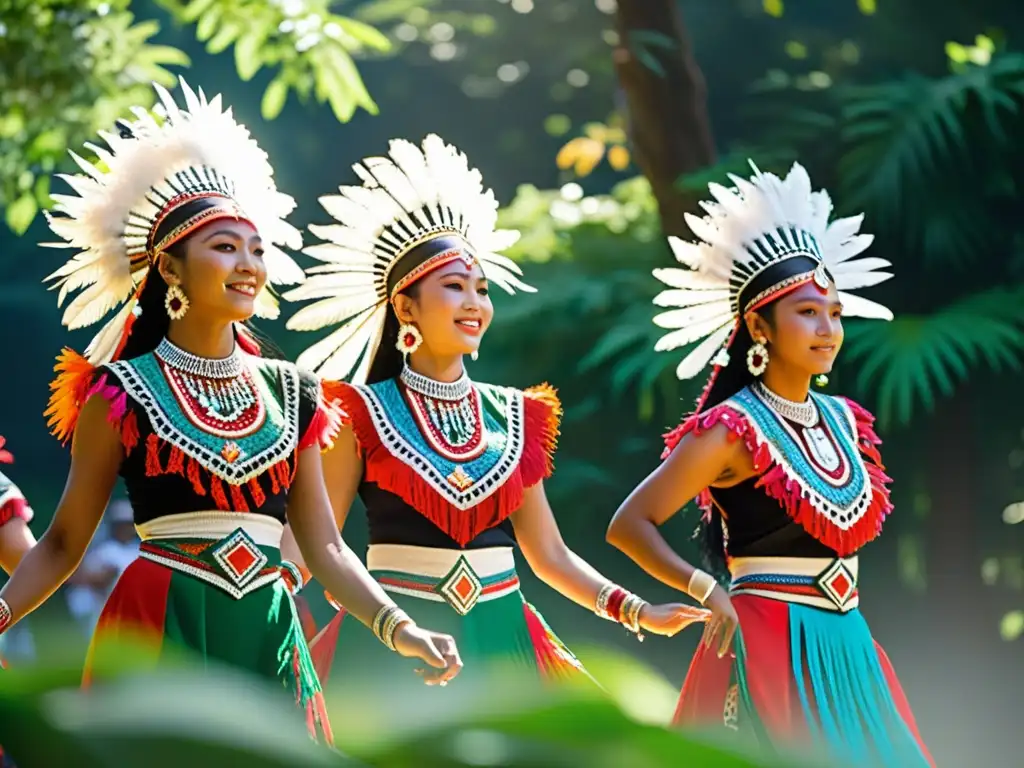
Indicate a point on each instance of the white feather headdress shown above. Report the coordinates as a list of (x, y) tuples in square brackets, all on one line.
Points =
[(147, 169), (749, 228), (406, 199)]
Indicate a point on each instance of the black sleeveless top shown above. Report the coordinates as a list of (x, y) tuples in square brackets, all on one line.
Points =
[(178, 459), (392, 521)]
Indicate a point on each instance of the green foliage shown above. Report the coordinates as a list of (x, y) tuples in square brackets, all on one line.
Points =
[(188, 715), (67, 69), (927, 160), (911, 360), (311, 48)]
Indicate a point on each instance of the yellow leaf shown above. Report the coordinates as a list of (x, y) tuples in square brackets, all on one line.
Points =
[(773, 7), (568, 153), (618, 157), (956, 52), (796, 50), (985, 43), (867, 7), (1012, 625), (589, 155), (597, 132)]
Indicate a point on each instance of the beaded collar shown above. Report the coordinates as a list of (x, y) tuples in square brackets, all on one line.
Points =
[(228, 367), (437, 390)]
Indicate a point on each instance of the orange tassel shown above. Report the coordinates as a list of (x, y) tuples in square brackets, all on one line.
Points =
[(74, 374), (275, 487), (256, 491), (129, 432), (217, 489), (153, 456), (237, 499), (176, 463), (193, 476)]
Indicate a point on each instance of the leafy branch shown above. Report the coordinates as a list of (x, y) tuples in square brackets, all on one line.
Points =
[(311, 48), (67, 69)]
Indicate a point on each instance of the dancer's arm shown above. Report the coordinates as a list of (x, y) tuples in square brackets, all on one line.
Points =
[(335, 566), (696, 463), (96, 454), (563, 570), (342, 470)]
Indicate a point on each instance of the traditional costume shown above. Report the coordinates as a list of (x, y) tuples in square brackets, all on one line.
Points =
[(444, 463), (210, 447), (12, 501), (805, 665), (12, 507)]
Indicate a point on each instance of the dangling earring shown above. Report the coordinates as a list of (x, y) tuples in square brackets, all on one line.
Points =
[(474, 355), (175, 302), (409, 339), (757, 358), (821, 380)]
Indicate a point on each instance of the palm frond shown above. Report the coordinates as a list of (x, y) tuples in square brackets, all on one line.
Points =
[(902, 138), (914, 359)]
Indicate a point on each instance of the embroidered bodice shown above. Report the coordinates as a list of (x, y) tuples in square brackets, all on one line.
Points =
[(456, 455), (210, 434), (821, 487)]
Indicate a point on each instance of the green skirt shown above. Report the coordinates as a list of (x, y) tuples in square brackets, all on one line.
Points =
[(477, 601), (222, 601)]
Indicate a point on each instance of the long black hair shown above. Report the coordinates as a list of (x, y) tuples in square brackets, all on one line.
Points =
[(152, 323), (734, 376), (387, 360)]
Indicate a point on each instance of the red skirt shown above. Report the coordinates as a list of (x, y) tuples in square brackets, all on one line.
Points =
[(802, 675)]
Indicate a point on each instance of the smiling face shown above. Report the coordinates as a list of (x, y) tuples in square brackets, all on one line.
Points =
[(451, 307), (221, 271), (806, 329)]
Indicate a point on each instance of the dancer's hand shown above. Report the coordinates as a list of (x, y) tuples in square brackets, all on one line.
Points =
[(722, 626), (669, 619), (435, 649)]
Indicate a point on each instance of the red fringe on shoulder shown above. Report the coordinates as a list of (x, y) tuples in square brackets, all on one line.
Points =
[(781, 487), (328, 421), (542, 412)]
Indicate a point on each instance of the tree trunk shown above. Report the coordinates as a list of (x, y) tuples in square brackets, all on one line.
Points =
[(668, 117)]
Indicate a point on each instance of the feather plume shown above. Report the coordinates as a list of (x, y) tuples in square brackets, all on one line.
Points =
[(758, 222), (199, 149), (414, 191)]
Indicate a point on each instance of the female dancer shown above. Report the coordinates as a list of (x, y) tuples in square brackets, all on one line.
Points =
[(176, 399), (15, 514), (15, 538), (450, 470), (791, 484)]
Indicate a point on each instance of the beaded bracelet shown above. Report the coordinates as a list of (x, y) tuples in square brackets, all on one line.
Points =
[(5, 615), (387, 621), (616, 604), (295, 577)]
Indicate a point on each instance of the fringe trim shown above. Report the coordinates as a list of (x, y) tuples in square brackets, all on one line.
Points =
[(230, 500), (779, 485), (68, 393), (542, 415), (554, 660), (296, 668), (328, 420)]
